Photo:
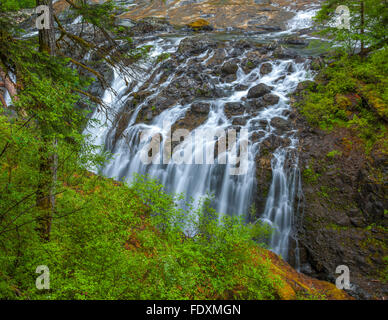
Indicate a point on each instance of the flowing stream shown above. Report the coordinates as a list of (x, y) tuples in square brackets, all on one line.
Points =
[(234, 193)]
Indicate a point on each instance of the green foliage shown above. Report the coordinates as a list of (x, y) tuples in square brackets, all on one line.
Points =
[(102, 15), (110, 241), (13, 5), (310, 175), (163, 56), (352, 93), (107, 240), (371, 30), (333, 154)]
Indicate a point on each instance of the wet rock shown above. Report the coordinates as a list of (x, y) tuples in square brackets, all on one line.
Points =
[(252, 60), (259, 124), (280, 79), (317, 64), (241, 87), (240, 121), (190, 121), (270, 99), (281, 124), (296, 41), (358, 221), (285, 53), (258, 91), (233, 108), (217, 58), (290, 68), (259, 21), (257, 136), (306, 269), (270, 28), (230, 78), (141, 95), (256, 104), (127, 23), (273, 142), (308, 84), (200, 107), (122, 120), (149, 25), (265, 68), (229, 68), (243, 44), (195, 45)]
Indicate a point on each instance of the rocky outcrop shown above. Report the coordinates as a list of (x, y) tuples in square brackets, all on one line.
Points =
[(297, 285), (344, 220)]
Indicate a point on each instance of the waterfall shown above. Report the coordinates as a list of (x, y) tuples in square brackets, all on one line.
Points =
[(234, 193)]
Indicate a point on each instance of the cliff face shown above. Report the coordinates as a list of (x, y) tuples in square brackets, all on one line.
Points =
[(343, 220)]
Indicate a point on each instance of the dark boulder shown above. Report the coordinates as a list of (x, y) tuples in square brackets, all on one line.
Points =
[(270, 99), (265, 68), (258, 91), (229, 68), (233, 108), (200, 108), (195, 45), (281, 124)]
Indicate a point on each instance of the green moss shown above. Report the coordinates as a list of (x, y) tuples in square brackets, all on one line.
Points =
[(336, 227), (310, 175), (351, 93), (333, 154), (250, 65), (163, 56)]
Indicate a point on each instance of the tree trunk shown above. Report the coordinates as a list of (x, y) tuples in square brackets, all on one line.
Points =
[(48, 160), (362, 28), (47, 36)]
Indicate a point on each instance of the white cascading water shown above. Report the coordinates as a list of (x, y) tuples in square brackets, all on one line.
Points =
[(302, 20), (234, 194), (7, 97)]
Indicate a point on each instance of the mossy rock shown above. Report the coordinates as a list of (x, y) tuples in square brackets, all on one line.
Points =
[(294, 285), (200, 24)]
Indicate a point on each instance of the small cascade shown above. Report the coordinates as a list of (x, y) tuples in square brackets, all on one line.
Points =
[(302, 20), (7, 97)]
